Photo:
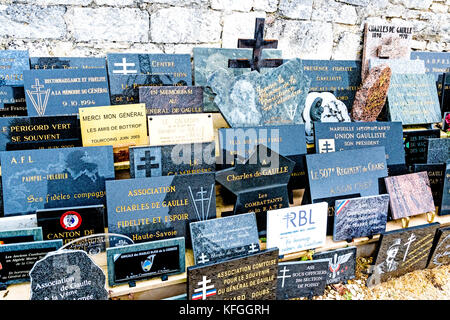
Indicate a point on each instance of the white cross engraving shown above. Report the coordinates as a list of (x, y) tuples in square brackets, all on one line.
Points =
[(203, 258), (124, 64), (204, 287), (284, 276), (253, 248)]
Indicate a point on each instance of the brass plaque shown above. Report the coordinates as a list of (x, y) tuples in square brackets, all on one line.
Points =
[(119, 126)]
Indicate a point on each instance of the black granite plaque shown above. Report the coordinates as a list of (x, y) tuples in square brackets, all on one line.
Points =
[(171, 100), (224, 238), (438, 150), (145, 260), (169, 160), (341, 264), (253, 277), (69, 224), (402, 251), (287, 140), (436, 177), (440, 254), (18, 133), (301, 279), (260, 183), (14, 109), (445, 203), (16, 260), (12, 98), (416, 145), (147, 209)]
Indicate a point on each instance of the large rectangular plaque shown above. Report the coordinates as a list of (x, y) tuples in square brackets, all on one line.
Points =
[(62, 92), (38, 179)]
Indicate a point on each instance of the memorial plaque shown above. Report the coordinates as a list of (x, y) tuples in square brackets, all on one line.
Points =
[(67, 275), (12, 65), (371, 97), (413, 99), (276, 97), (62, 92), (288, 140), (67, 63), (297, 228), (438, 150), (402, 251), (129, 71), (59, 178), (224, 238), (331, 137), (435, 174), (386, 41), (445, 204), (119, 126), (400, 65), (38, 132), (169, 160), (209, 60), (260, 183), (410, 195), (346, 173), (145, 260), (254, 278), (171, 100), (148, 209), (360, 217), (340, 77), (341, 264), (416, 145), (20, 235), (69, 224), (301, 279), (17, 259), (436, 63), (12, 99), (440, 254), (14, 109), (180, 129)]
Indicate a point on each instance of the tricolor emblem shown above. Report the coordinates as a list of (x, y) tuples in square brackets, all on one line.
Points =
[(205, 290), (341, 206)]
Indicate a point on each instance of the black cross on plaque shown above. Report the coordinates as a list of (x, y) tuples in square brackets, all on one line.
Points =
[(257, 44), (148, 164)]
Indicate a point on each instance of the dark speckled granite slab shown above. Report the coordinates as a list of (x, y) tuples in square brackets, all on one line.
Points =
[(360, 217), (301, 279), (402, 251), (253, 277)]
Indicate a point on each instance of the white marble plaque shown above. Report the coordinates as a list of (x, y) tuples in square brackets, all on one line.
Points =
[(297, 228)]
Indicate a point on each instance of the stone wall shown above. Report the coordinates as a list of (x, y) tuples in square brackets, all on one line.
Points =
[(314, 29)]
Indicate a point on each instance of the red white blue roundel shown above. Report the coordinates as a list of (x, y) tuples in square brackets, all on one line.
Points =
[(70, 220)]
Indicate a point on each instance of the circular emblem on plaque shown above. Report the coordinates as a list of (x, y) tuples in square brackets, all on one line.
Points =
[(70, 220)]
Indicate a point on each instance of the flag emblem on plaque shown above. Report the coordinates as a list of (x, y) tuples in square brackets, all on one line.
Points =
[(205, 290)]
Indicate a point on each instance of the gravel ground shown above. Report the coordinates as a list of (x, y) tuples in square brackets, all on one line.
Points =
[(427, 284)]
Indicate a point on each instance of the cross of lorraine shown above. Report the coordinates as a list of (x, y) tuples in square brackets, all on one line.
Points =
[(39, 97)]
